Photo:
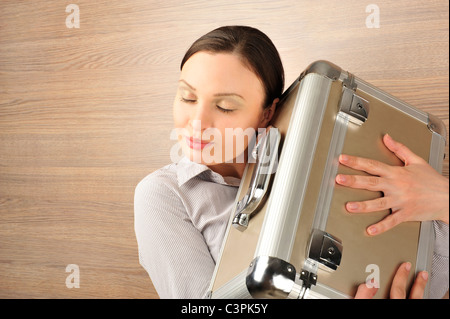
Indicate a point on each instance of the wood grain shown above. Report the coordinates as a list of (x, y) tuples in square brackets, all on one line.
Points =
[(86, 113)]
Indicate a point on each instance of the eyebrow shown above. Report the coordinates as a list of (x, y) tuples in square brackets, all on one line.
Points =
[(188, 85), (218, 94)]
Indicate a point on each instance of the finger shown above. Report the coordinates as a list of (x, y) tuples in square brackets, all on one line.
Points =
[(419, 285), (365, 292), (401, 151), (386, 224), (398, 287), (371, 183), (370, 166), (374, 205)]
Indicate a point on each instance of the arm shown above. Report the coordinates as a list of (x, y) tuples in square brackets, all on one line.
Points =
[(414, 192), (171, 249)]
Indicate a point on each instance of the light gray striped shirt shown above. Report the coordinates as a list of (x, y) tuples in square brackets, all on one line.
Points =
[(181, 215)]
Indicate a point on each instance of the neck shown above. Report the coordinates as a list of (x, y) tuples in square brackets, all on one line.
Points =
[(229, 169)]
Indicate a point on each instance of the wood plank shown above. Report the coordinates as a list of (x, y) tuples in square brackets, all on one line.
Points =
[(86, 113)]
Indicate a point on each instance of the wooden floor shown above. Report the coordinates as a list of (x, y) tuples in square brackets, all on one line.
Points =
[(85, 113)]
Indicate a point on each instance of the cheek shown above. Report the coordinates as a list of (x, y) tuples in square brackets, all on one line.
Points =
[(251, 121), (180, 116), (236, 137)]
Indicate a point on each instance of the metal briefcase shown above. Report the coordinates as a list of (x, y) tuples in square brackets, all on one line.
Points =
[(289, 235)]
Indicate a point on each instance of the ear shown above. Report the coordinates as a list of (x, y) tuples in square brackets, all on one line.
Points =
[(268, 113)]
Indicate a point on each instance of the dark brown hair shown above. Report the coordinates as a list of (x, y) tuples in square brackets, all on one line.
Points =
[(255, 49)]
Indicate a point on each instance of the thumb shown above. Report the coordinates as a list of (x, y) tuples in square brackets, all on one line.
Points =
[(365, 292)]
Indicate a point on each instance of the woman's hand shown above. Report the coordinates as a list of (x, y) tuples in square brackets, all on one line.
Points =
[(398, 287), (413, 192)]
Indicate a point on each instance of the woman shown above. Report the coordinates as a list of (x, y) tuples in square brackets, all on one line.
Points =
[(230, 82), (230, 78)]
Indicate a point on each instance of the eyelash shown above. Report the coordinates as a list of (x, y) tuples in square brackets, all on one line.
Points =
[(218, 107), (224, 110), (186, 100)]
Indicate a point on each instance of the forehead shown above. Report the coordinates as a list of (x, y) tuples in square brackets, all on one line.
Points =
[(219, 73)]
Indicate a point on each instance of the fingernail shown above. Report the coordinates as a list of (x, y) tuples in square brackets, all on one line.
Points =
[(408, 266), (425, 275), (341, 178), (372, 230), (343, 158), (388, 137), (352, 206)]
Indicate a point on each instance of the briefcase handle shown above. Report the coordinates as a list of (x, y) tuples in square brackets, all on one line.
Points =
[(266, 155)]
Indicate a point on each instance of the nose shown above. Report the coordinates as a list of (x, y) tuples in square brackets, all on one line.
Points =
[(200, 119)]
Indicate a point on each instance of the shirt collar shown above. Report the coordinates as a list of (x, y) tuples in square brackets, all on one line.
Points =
[(187, 170)]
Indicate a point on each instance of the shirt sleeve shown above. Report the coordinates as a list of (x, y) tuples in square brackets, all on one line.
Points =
[(440, 265), (171, 249)]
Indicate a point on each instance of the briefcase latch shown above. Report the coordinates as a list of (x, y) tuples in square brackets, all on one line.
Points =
[(354, 106), (324, 252), (325, 249)]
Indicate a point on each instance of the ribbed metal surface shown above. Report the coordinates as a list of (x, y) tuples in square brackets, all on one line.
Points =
[(427, 235), (289, 186), (234, 289)]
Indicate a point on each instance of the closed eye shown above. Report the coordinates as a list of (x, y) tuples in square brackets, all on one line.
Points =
[(224, 110), (187, 100)]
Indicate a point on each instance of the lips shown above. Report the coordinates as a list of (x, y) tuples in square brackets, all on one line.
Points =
[(196, 144)]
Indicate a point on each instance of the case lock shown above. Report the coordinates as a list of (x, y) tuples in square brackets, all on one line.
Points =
[(326, 250), (351, 104)]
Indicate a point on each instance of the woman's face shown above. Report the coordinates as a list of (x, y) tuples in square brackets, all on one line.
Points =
[(218, 108)]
